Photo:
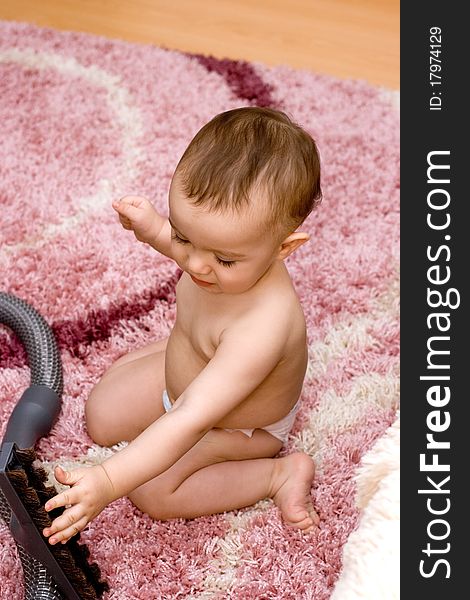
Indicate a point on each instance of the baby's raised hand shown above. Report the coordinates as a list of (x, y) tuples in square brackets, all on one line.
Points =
[(137, 214), (91, 490)]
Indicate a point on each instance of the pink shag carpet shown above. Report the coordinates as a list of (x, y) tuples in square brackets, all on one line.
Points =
[(84, 120)]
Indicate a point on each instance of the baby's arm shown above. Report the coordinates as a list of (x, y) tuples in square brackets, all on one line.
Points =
[(245, 356), (138, 214)]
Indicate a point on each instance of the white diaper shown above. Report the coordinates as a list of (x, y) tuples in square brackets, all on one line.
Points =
[(280, 429), (166, 401)]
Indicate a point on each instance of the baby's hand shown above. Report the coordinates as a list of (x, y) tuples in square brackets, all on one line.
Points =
[(91, 490), (138, 215)]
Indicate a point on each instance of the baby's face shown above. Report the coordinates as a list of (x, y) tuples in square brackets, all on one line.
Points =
[(223, 253)]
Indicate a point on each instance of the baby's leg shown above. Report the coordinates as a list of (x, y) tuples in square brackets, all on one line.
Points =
[(226, 471), (128, 398)]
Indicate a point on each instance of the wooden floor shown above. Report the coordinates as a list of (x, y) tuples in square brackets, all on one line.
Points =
[(345, 38)]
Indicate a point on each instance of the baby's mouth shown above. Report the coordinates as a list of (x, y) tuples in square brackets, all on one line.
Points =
[(200, 281)]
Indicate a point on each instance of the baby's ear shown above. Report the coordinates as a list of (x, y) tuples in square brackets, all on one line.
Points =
[(291, 243)]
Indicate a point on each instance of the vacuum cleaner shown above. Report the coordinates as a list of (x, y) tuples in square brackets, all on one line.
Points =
[(61, 571)]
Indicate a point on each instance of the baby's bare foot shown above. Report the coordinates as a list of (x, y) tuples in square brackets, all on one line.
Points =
[(290, 490)]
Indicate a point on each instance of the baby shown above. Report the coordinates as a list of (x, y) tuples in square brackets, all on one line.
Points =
[(207, 409)]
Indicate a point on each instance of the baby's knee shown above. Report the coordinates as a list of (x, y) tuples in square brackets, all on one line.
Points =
[(97, 418), (162, 509)]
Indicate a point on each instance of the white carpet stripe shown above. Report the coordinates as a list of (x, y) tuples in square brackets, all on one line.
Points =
[(352, 333), (129, 120), (336, 414), (222, 575)]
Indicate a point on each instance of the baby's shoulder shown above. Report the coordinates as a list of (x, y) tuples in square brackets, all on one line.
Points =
[(279, 308), (282, 297)]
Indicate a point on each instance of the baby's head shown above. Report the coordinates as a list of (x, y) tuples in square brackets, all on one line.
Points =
[(254, 158), (252, 172)]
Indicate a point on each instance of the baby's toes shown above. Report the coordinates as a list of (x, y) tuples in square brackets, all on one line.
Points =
[(309, 529), (314, 516), (299, 519)]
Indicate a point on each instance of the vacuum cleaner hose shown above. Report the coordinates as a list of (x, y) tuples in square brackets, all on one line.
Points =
[(37, 339), (28, 423)]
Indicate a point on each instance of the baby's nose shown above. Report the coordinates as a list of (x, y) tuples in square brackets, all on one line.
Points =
[(197, 264)]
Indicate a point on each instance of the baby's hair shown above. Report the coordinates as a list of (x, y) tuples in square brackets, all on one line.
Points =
[(251, 148)]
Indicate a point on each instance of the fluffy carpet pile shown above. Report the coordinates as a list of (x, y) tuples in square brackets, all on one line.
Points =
[(86, 120), (371, 558)]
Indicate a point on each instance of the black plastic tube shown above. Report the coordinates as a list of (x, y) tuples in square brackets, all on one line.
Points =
[(32, 418)]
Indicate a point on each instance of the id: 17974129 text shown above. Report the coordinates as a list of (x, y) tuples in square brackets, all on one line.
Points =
[(435, 68)]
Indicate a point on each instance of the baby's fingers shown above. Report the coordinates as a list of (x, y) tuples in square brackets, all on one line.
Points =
[(127, 208), (68, 518), (126, 201), (125, 222), (124, 217), (62, 499), (64, 527)]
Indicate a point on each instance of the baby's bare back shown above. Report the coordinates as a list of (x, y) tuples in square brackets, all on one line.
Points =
[(202, 319)]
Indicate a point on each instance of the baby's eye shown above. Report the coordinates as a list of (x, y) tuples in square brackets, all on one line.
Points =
[(178, 239), (225, 263)]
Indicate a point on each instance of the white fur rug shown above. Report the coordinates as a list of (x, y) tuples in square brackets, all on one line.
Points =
[(371, 565)]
